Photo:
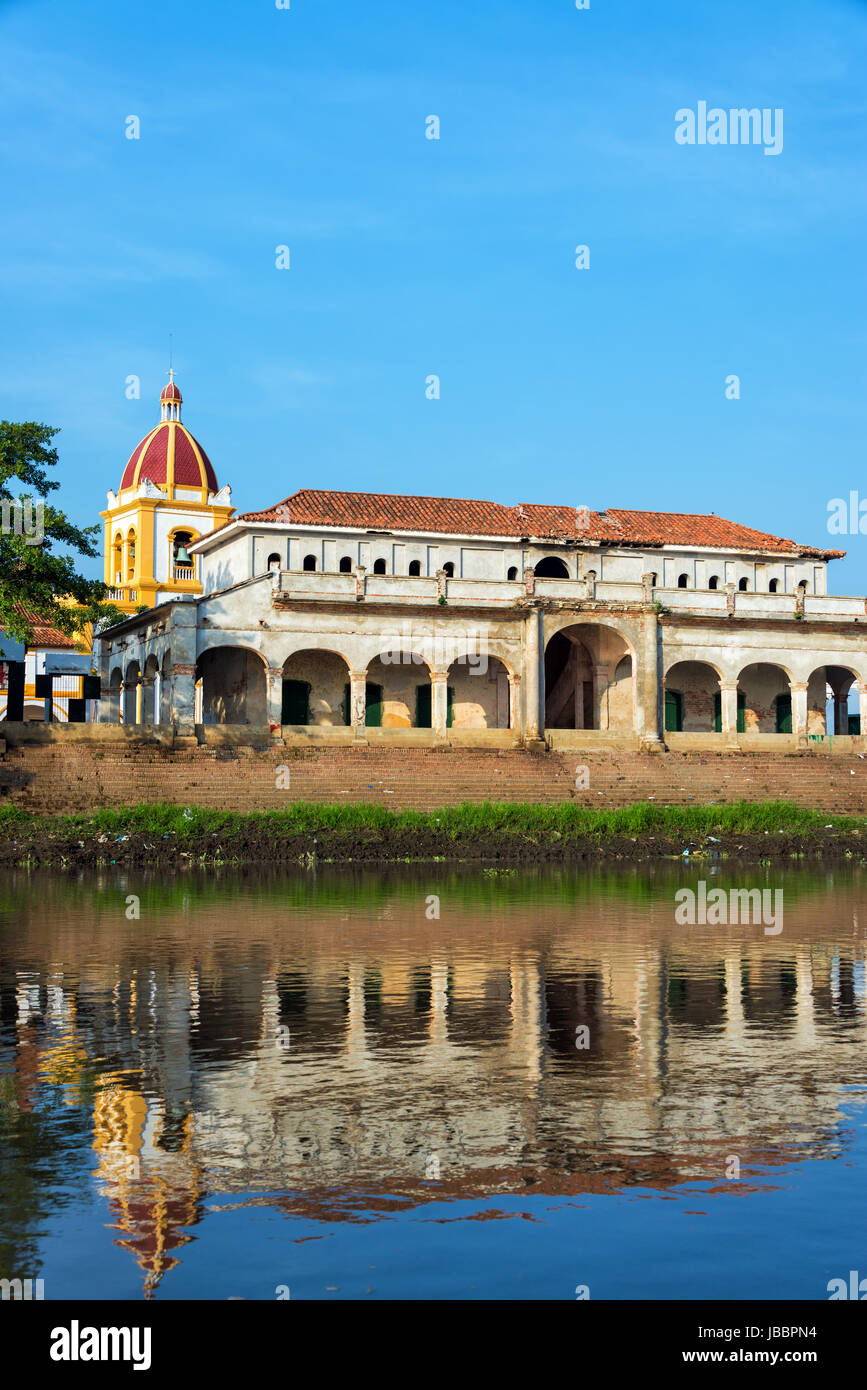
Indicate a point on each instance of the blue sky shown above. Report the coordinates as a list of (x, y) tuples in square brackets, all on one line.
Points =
[(409, 257)]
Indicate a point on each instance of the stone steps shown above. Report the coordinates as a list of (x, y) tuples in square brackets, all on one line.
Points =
[(48, 777)]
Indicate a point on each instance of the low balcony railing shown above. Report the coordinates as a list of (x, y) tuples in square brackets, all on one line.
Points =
[(324, 585), (183, 571)]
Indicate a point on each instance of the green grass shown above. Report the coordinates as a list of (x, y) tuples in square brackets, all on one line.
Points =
[(464, 822)]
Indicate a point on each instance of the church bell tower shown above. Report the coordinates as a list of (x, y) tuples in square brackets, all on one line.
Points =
[(168, 498)]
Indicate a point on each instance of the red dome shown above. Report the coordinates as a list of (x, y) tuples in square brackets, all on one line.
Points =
[(170, 456), (171, 393)]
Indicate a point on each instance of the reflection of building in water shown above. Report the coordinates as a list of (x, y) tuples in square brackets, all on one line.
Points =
[(149, 1174), (327, 1064)]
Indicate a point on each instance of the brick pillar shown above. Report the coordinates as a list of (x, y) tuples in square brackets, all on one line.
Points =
[(358, 704), (862, 706), (274, 696), (729, 704), (799, 711), (534, 720), (439, 701)]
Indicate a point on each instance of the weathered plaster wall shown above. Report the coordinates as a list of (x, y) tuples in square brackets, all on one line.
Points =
[(698, 684), (233, 682), (761, 684), (481, 699), (621, 696), (399, 683), (327, 675)]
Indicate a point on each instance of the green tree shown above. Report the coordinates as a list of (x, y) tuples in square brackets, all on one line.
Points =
[(35, 576)]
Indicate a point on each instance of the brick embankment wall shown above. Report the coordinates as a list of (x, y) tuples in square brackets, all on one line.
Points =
[(79, 777)]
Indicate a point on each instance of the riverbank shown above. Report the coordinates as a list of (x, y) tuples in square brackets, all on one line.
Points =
[(173, 836)]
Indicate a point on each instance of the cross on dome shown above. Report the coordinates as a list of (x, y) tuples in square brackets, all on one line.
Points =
[(170, 399)]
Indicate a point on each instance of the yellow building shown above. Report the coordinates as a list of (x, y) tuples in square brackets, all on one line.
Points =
[(168, 498)]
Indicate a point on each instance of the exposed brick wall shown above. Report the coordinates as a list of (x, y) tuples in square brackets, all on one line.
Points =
[(81, 776)]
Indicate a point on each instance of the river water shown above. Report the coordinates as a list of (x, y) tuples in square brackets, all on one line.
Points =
[(430, 1082)]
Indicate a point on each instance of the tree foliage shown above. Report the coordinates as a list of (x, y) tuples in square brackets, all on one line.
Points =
[(39, 576)]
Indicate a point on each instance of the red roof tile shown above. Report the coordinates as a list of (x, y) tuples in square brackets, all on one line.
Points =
[(150, 459), (371, 511), (43, 634)]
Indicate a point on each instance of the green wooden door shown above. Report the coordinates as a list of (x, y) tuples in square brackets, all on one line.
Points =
[(717, 713), (347, 704), (783, 705), (422, 707), (742, 712), (450, 706), (296, 703), (673, 711), (373, 716)]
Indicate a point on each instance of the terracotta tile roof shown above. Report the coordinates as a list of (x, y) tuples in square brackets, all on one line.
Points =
[(151, 458), (460, 516), (43, 634), (690, 528)]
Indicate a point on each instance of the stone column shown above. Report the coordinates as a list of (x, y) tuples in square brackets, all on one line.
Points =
[(358, 705), (601, 682), (729, 709), (514, 702), (182, 697), (534, 724), (274, 697), (147, 700), (439, 702), (647, 681), (862, 706), (799, 711)]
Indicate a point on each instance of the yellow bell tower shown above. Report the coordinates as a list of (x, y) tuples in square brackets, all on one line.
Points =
[(168, 498)]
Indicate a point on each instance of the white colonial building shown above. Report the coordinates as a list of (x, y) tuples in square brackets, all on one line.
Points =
[(335, 616)]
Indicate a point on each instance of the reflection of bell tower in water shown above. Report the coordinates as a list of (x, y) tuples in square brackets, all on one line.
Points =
[(168, 498), (148, 1173)]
